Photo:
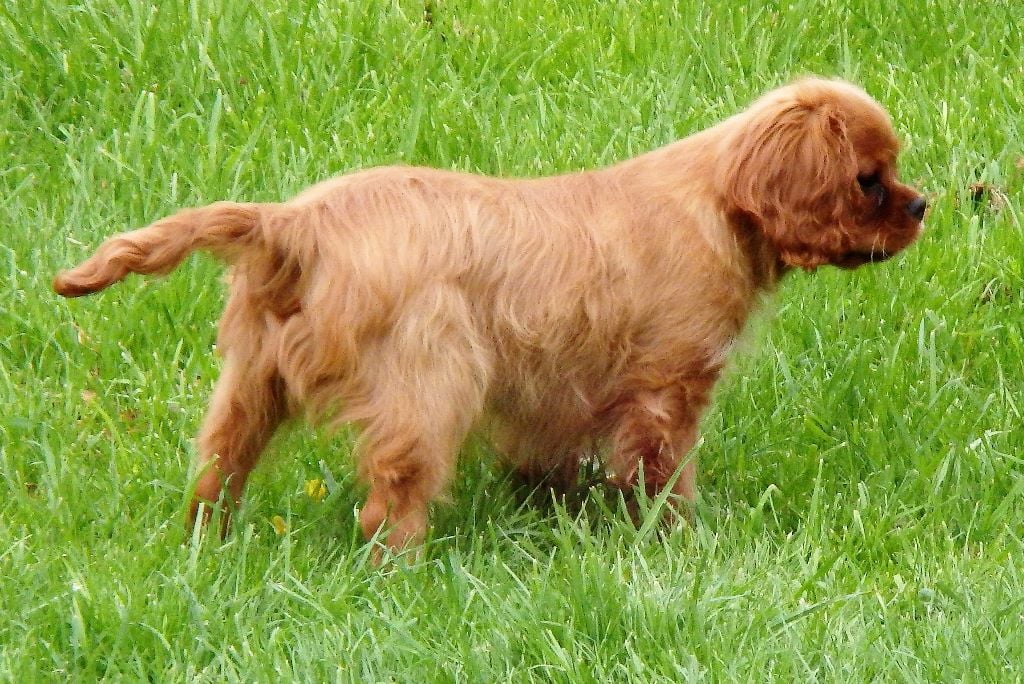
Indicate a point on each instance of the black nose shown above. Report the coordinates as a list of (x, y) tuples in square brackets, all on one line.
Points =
[(916, 207)]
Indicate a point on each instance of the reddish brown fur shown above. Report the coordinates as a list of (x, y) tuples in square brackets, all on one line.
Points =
[(579, 314)]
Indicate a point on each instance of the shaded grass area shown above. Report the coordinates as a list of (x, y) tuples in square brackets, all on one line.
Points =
[(862, 465)]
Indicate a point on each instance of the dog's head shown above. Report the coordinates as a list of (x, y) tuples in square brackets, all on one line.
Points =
[(813, 165)]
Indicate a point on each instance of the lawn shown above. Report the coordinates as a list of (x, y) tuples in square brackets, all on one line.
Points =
[(862, 474)]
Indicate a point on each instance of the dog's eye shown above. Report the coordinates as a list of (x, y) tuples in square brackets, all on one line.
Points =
[(871, 185), (869, 182)]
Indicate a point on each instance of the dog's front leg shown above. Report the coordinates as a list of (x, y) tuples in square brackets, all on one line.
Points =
[(654, 437)]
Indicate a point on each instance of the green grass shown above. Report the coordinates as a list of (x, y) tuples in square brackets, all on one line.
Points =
[(862, 467)]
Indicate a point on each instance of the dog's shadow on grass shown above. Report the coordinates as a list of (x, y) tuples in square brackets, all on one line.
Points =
[(495, 513), (490, 511)]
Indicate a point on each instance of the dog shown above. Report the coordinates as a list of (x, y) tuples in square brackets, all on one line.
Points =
[(577, 315)]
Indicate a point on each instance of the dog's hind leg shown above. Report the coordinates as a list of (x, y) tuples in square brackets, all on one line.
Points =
[(426, 383), (248, 404), (406, 471)]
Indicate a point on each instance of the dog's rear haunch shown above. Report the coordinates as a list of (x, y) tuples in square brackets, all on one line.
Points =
[(572, 316)]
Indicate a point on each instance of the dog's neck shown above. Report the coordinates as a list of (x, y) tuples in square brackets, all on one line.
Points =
[(677, 173), (766, 266)]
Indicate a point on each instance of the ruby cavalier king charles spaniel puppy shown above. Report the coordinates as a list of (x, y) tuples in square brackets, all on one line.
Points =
[(579, 316)]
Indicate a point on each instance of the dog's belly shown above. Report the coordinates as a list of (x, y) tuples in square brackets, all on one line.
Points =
[(546, 422)]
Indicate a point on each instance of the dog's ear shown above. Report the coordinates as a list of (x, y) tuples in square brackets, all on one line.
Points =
[(792, 168)]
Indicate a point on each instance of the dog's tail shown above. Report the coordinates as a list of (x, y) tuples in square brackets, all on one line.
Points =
[(224, 229)]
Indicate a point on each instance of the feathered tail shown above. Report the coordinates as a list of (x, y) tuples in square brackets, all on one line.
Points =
[(223, 228)]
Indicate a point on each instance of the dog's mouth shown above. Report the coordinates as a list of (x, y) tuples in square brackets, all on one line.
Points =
[(853, 259)]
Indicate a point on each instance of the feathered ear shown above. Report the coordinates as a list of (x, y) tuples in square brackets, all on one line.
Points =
[(792, 168)]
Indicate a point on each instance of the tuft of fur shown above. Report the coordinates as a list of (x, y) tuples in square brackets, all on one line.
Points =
[(578, 315)]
